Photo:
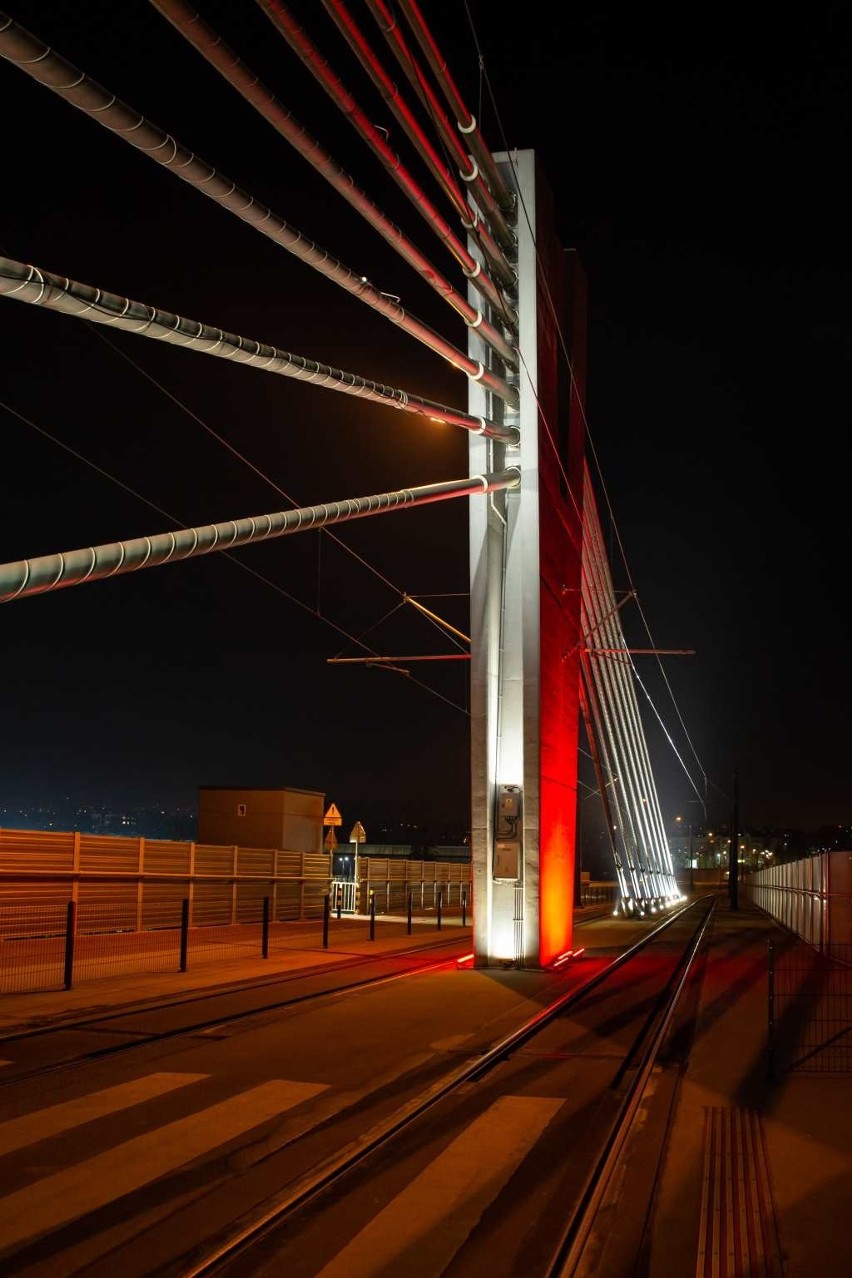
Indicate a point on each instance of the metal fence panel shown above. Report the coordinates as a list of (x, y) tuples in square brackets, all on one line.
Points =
[(810, 1006), (32, 947)]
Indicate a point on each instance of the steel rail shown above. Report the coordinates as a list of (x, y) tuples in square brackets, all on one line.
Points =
[(254, 1226), (117, 1049), (238, 986), (569, 1251)]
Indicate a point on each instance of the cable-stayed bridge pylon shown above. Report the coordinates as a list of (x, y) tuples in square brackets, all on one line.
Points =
[(547, 651)]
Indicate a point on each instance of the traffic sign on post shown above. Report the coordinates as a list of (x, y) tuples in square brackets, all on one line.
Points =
[(357, 834), (332, 816), (331, 840)]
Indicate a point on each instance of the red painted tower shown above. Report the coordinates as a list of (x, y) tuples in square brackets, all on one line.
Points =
[(525, 608)]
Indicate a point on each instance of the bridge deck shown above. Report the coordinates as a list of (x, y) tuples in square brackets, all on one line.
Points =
[(755, 1176)]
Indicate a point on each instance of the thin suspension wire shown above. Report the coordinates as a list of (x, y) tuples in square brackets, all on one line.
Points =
[(211, 47), (454, 153), (160, 510), (575, 389), (227, 554), (466, 122), (48, 68), (36, 287), (399, 107), (324, 532), (404, 596), (43, 573), (300, 43)]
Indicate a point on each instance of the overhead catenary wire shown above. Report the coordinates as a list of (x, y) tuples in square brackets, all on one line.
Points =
[(301, 44), (210, 45), (94, 563), (25, 283), (229, 555), (588, 435), (45, 66), (389, 90)]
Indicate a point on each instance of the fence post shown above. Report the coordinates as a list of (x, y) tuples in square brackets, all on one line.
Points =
[(372, 915), (409, 911), (264, 944), (70, 934), (440, 903), (772, 1065), (184, 932), (464, 907), (338, 888), (325, 914)]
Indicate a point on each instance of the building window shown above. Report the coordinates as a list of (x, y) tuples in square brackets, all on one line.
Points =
[(241, 809)]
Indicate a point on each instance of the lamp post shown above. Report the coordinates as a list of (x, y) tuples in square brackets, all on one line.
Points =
[(599, 793), (679, 821)]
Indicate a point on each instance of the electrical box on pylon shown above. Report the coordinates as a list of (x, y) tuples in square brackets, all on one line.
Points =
[(507, 833)]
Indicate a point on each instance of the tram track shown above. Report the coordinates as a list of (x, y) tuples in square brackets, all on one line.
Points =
[(399, 961), (246, 1247), (105, 1022)]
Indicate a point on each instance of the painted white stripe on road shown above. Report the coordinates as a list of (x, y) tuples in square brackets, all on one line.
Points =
[(72, 1193), (19, 1132), (441, 1206)]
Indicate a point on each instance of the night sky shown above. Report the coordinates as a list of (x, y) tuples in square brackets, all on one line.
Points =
[(699, 169)]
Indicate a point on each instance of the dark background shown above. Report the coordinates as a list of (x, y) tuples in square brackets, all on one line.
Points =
[(698, 168)]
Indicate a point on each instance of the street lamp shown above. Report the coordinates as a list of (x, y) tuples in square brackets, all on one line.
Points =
[(598, 793), (689, 854)]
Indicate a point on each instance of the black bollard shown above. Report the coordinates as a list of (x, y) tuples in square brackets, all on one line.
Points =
[(440, 903), (184, 932), (70, 933), (264, 939), (409, 911), (372, 916), (325, 914), (339, 891), (464, 908)]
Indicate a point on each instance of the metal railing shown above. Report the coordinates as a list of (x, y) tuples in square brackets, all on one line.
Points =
[(77, 907), (810, 999)]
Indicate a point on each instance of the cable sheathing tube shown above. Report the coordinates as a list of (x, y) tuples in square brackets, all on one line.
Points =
[(50, 69)]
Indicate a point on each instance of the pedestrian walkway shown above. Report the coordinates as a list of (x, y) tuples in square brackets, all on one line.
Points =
[(301, 950), (756, 1175), (298, 947), (756, 1178)]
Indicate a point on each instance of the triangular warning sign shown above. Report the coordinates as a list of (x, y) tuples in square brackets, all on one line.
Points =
[(332, 816), (330, 841)]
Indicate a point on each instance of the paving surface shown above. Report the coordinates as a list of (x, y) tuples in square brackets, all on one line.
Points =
[(756, 1175)]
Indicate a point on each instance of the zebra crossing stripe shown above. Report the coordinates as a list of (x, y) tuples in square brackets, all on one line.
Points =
[(17, 1133), (55, 1200), (430, 1219)]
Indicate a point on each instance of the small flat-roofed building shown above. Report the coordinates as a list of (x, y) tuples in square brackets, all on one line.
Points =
[(266, 817)]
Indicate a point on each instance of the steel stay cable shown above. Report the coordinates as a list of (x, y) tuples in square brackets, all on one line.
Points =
[(211, 47), (56, 73), (568, 1253)]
